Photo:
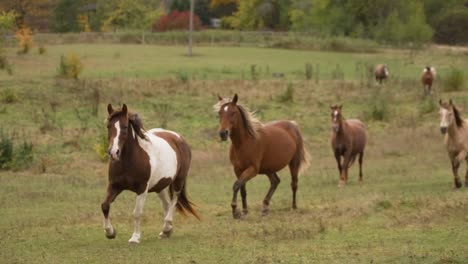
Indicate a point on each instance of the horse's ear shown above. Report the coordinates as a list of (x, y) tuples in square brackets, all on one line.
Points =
[(219, 98), (110, 110), (450, 102), (340, 106), (440, 102), (124, 109), (234, 99)]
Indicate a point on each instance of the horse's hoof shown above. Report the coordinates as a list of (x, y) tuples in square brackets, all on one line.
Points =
[(458, 184), (245, 211), (341, 184), (133, 242), (265, 211), (165, 234), (236, 214), (112, 235), (294, 207)]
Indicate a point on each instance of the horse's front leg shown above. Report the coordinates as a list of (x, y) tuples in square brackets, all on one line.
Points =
[(105, 206), (456, 178), (246, 175), (344, 171), (140, 203)]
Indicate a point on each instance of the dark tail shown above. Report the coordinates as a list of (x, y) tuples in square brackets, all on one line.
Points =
[(301, 157), (184, 205)]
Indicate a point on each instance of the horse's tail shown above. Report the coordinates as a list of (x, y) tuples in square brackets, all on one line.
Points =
[(301, 157), (183, 203)]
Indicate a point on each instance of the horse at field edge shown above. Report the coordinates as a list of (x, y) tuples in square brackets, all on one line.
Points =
[(348, 139), (258, 148), (456, 138), (145, 161), (427, 78)]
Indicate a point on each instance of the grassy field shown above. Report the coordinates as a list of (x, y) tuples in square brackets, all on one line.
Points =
[(405, 211)]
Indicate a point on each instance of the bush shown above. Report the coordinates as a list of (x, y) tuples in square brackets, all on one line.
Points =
[(9, 96), (176, 21), (25, 42), (4, 65), (378, 108), (427, 106), (23, 156), (41, 50), (6, 150), (288, 95), (182, 76), (100, 147), (451, 27), (454, 80), (70, 66)]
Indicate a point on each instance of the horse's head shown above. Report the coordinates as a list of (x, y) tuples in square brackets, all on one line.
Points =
[(117, 130), (228, 116), (448, 114), (336, 117)]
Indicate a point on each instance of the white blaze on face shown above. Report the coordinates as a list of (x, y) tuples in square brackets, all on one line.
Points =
[(226, 108), (335, 115), (444, 120), (115, 141), (386, 71)]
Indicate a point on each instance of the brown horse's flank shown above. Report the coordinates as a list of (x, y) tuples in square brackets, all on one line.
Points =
[(348, 139), (259, 149)]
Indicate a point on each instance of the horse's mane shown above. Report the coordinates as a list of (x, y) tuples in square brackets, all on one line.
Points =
[(134, 121), (251, 123), (458, 120)]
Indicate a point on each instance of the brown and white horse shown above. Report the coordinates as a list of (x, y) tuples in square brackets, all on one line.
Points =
[(348, 139), (145, 161), (381, 72), (427, 78), (259, 149), (456, 138)]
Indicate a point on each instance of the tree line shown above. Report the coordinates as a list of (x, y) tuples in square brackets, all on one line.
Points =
[(386, 21)]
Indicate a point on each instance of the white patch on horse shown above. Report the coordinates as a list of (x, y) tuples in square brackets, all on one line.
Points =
[(444, 120), (162, 157), (386, 72), (226, 108), (164, 130), (115, 141)]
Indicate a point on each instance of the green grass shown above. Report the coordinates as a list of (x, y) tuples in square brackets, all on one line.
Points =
[(405, 211)]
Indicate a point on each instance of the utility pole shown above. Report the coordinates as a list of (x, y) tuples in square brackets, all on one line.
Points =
[(192, 4)]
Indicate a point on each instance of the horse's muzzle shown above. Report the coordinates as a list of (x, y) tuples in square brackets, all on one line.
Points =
[(443, 130), (224, 134), (114, 156)]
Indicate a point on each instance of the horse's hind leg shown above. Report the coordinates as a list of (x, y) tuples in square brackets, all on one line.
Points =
[(243, 192), (165, 201), (140, 203), (105, 206), (169, 217), (274, 181), (294, 180), (360, 165), (456, 179)]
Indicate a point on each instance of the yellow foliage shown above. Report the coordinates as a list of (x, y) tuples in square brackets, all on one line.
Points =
[(101, 151), (83, 22), (25, 41), (70, 66)]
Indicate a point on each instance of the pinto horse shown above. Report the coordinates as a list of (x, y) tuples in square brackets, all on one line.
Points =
[(381, 72), (145, 161), (456, 138), (348, 139), (259, 149)]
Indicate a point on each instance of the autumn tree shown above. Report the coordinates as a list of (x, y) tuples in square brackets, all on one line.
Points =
[(32, 13)]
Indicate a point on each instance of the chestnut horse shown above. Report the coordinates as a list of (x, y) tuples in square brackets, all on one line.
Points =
[(348, 139), (259, 149), (145, 161), (427, 78), (456, 138)]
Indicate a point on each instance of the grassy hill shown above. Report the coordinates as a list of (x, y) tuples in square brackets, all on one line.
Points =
[(404, 211)]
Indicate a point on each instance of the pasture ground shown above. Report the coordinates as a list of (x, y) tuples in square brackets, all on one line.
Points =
[(405, 211)]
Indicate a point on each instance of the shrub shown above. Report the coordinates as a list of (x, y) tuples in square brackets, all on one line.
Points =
[(182, 76), (23, 156), (6, 150), (454, 80), (70, 66), (5, 65), (100, 147), (176, 21), (41, 50), (427, 106), (378, 108), (253, 72), (25, 42), (9, 96), (288, 95), (308, 71)]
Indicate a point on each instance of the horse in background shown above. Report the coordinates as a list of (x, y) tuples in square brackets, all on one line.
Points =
[(427, 78), (348, 139), (381, 72), (456, 138), (145, 161), (258, 148)]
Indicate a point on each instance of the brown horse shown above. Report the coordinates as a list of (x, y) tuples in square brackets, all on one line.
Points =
[(456, 138), (259, 149), (381, 72), (145, 161), (427, 78), (348, 139)]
